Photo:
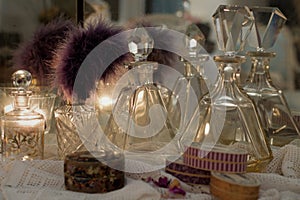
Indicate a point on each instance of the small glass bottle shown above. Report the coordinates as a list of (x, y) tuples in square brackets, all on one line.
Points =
[(22, 129)]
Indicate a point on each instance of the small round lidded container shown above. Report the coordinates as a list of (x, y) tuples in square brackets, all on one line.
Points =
[(234, 186), (90, 172)]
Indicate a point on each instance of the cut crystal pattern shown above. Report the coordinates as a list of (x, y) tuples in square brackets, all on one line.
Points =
[(69, 121)]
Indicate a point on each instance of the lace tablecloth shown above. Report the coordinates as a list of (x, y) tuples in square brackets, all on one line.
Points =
[(43, 179)]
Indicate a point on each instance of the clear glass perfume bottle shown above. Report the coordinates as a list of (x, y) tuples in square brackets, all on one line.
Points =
[(139, 122), (192, 85), (270, 101), (227, 115), (22, 128)]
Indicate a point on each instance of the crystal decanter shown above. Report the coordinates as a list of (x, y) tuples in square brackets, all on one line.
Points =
[(139, 121), (269, 99), (193, 84), (227, 115), (22, 129)]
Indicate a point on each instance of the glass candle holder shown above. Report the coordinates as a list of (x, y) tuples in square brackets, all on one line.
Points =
[(69, 118)]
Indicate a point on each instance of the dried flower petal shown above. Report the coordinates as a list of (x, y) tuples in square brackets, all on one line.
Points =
[(177, 190)]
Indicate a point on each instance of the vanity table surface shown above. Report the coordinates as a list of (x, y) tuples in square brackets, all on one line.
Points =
[(44, 179)]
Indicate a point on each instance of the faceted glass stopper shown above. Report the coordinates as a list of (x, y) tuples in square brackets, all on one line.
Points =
[(140, 44), (268, 24), (21, 78), (194, 40), (186, 5), (232, 25)]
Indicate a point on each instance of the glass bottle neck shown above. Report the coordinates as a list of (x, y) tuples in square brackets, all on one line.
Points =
[(227, 83), (189, 69), (142, 72), (229, 67), (195, 65), (21, 99), (260, 66)]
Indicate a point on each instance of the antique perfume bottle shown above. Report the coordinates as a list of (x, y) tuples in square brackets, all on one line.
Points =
[(192, 85), (139, 121), (227, 115), (270, 102), (22, 129)]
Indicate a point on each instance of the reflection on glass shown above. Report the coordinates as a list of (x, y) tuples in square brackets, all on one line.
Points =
[(44, 104)]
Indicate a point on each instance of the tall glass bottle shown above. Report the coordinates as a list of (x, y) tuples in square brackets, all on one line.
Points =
[(270, 101), (227, 115), (22, 129), (193, 84)]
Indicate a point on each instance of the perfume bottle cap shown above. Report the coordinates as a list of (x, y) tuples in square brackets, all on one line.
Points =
[(232, 25), (140, 44), (268, 22), (194, 41), (21, 78)]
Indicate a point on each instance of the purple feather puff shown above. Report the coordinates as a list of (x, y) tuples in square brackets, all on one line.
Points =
[(36, 54), (70, 58)]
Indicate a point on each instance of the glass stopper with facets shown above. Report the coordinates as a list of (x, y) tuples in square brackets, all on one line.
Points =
[(232, 25), (21, 78), (194, 40), (140, 44), (267, 26)]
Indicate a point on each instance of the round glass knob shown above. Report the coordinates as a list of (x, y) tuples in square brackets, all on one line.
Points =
[(195, 40), (21, 78), (140, 44)]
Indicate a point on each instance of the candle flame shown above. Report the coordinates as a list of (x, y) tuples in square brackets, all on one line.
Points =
[(105, 102)]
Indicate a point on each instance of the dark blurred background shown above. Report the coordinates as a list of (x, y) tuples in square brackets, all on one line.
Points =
[(19, 19)]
